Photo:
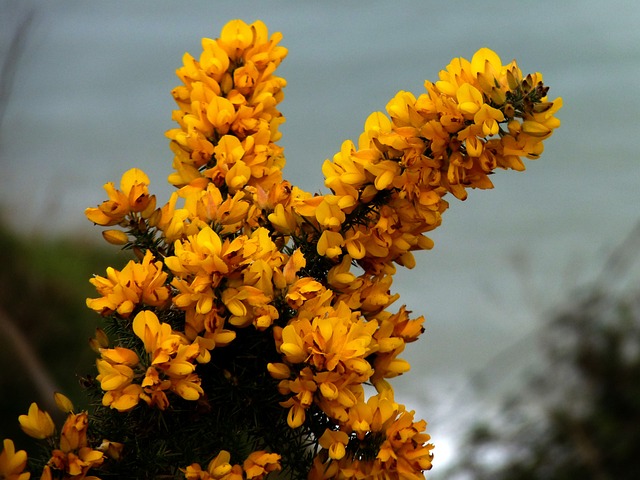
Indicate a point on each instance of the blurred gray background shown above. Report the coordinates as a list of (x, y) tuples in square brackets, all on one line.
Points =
[(91, 99)]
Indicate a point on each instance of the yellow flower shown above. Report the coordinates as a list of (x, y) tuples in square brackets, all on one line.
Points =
[(293, 346), (220, 466), (235, 37), (199, 253), (330, 212), (115, 237), (302, 389), (335, 441), (120, 355), (227, 215), (74, 464), (294, 263), (237, 250), (256, 466), (37, 423), (390, 444), (469, 100), (188, 387), (330, 244), (123, 290), (63, 403), (279, 371), (171, 220), (260, 463), (303, 290), (284, 220), (489, 118), (133, 196), (74, 432), (169, 354), (340, 276), (244, 302), (486, 66), (113, 376), (157, 337), (344, 175), (123, 399), (12, 463), (230, 92)]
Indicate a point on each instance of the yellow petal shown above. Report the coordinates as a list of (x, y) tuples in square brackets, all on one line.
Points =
[(146, 326), (535, 129), (482, 57), (63, 402), (236, 34), (37, 423), (115, 237), (133, 177)]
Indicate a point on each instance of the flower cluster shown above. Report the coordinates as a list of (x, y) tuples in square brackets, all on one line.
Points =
[(228, 117), (254, 312), (480, 116), (135, 284), (72, 457), (256, 467), (380, 440), (170, 365)]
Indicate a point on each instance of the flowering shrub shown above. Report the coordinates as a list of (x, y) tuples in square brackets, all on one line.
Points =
[(239, 340)]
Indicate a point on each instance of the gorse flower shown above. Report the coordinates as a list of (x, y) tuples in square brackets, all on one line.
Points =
[(74, 457), (256, 467), (243, 334), (137, 283), (132, 198), (12, 462), (228, 118), (37, 423), (71, 456)]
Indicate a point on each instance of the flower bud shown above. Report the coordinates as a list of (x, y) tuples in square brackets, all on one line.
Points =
[(115, 237), (37, 423), (63, 402)]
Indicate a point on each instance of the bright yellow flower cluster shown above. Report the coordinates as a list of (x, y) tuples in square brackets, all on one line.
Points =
[(228, 117), (246, 248), (169, 364), (256, 467), (245, 283), (383, 442), (137, 283), (132, 199), (233, 275), (481, 115), (71, 456)]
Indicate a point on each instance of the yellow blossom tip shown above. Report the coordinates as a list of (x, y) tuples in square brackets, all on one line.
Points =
[(63, 403), (115, 237), (37, 423)]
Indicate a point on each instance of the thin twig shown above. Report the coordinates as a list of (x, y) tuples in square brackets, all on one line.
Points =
[(28, 357)]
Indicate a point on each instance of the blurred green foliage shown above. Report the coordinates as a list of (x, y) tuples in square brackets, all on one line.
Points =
[(43, 286), (579, 416)]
